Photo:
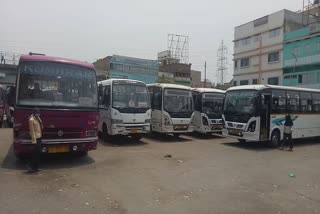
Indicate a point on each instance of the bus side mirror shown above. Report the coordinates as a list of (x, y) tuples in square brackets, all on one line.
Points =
[(100, 90)]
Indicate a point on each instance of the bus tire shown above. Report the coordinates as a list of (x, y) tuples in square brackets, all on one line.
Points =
[(104, 133), (176, 135), (136, 137), (242, 140), (275, 138)]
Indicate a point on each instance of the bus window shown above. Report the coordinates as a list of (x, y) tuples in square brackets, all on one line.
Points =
[(197, 101), (306, 102), (157, 98), (293, 101), (316, 102), (106, 95), (278, 101)]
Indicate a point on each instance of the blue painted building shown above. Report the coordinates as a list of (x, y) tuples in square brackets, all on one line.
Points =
[(301, 57), (133, 68)]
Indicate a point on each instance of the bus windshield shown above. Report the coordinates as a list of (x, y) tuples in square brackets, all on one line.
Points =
[(212, 105), (240, 104), (178, 100), (56, 85), (128, 95)]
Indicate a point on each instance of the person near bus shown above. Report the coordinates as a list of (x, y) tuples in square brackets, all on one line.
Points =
[(35, 127), (287, 133)]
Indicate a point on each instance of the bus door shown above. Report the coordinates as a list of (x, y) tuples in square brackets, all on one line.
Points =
[(265, 107)]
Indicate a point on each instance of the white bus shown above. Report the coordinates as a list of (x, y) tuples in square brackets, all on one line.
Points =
[(208, 106), (257, 112), (172, 108), (124, 108)]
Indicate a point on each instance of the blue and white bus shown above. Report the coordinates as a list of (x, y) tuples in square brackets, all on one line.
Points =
[(257, 112)]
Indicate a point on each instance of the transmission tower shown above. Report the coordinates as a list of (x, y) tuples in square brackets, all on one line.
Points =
[(178, 45), (222, 63)]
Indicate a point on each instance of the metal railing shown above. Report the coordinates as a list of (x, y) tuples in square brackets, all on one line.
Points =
[(9, 58)]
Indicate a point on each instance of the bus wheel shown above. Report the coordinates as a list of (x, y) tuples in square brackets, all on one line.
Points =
[(176, 135), (136, 137), (242, 140), (105, 135), (275, 138)]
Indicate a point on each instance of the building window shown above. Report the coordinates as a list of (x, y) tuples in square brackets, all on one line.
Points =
[(236, 44), (318, 47), (254, 81), (296, 51), (275, 33), (307, 49), (245, 41), (273, 81), (256, 38), (244, 82), (306, 78), (244, 62), (273, 57), (235, 63), (234, 83)]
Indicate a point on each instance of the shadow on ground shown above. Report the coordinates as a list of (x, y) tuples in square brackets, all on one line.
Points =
[(48, 161), (205, 136), (265, 146), (166, 138), (121, 142)]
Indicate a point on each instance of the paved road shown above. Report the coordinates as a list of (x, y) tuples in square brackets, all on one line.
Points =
[(204, 175)]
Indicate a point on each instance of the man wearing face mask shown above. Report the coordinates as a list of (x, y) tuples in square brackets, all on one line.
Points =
[(35, 127)]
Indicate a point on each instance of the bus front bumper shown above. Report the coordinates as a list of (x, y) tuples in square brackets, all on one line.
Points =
[(180, 128), (240, 134), (56, 146), (130, 129)]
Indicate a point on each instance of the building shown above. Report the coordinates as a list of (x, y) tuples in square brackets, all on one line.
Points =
[(301, 55), (258, 48), (180, 71), (116, 66), (102, 67), (195, 78)]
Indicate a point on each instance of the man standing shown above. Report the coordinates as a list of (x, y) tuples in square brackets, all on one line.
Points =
[(35, 127), (287, 130)]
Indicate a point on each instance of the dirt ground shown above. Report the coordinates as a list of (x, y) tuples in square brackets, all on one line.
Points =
[(203, 175)]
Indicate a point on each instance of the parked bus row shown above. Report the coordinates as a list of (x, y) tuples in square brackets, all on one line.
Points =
[(75, 108)]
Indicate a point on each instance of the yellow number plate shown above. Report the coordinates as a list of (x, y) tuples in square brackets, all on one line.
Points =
[(134, 131), (58, 149)]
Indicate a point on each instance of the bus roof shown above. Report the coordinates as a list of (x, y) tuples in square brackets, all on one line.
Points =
[(109, 81), (55, 59), (261, 87), (169, 85), (206, 90)]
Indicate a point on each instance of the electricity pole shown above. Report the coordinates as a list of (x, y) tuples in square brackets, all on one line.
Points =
[(205, 74)]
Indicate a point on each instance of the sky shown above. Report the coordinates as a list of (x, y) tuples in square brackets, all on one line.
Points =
[(89, 30)]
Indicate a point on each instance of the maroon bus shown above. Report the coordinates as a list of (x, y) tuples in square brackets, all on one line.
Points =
[(65, 91)]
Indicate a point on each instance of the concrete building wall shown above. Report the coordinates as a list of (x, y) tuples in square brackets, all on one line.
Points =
[(195, 78), (181, 72), (259, 45)]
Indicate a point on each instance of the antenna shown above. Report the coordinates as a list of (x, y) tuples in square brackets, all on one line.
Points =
[(222, 62)]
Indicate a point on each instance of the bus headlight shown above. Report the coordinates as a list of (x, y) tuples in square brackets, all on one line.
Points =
[(252, 126), (166, 120), (205, 121), (147, 121), (91, 133), (115, 121)]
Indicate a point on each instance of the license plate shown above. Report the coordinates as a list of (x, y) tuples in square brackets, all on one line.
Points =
[(217, 126), (235, 132), (58, 149), (133, 131)]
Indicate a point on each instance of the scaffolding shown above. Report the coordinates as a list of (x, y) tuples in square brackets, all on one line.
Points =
[(178, 46), (310, 12)]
